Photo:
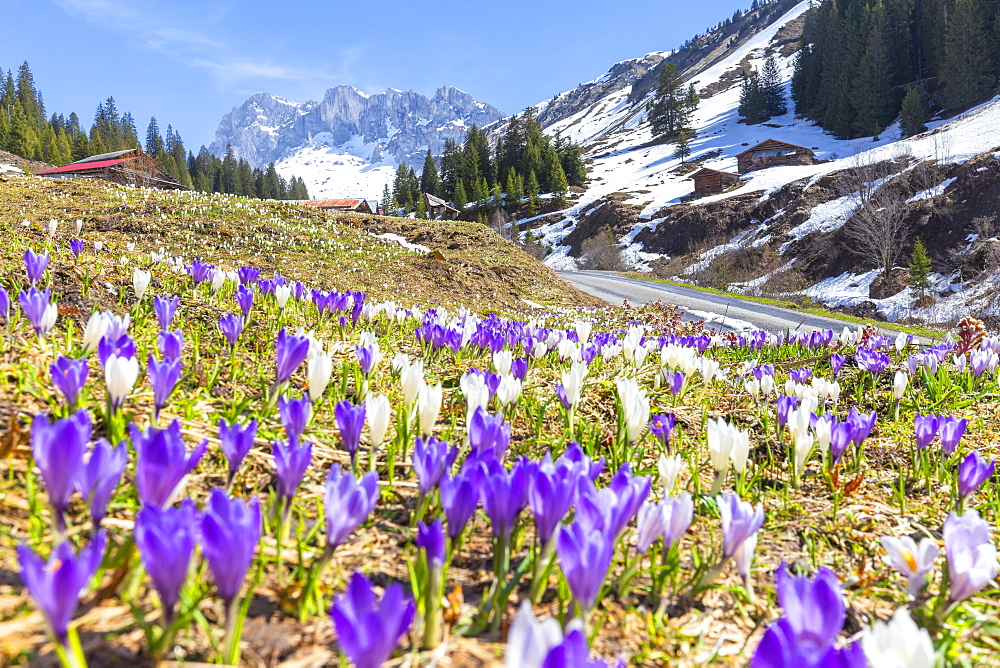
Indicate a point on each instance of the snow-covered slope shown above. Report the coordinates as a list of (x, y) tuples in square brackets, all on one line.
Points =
[(349, 143)]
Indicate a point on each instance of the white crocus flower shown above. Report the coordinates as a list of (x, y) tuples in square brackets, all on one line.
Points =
[(281, 295), (140, 281), (899, 383), (320, 368), (378, 413), (509, 390), (79, 226), (475, 391), (583, 330), (412, 378), (635, 406), (96, 327), (898, 643), (539, 350), (53, 226), (752, 386), (727, 444), (572, 382), (529, 640), (803, 446), (49, 317), (120, 374), (502, 361), (669, 469), (428, 406)]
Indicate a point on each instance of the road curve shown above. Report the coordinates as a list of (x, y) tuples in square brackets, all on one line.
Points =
[(720, 311)]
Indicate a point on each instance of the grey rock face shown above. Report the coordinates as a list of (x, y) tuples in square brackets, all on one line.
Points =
[(394, 126)]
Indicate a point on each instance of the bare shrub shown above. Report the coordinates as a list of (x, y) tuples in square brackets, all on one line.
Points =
[(784, 282), (601, 252), (533, 247)]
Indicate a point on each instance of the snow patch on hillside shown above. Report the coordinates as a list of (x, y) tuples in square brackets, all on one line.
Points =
[(333, 173), (8, 168)]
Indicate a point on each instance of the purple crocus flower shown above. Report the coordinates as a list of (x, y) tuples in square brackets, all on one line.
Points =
[(165, 309), (740, 522), (35, 265), (836, 363), (785, 406), (973, 472), (925, 428), (871, 361), (366, 358), (171, 344), (972, 557), (951, 430), (861, 425), (779, 649), (678, 511), (585, 557), (69, 376), (459, 498), (231, 326), (430, 539), (291, 351), (519, 368), (350, 421), (236, 441), (122, 346), (200, 272), (432, 458), (295, 414), (612, 508), (4, 304), (290, 462), (574, 456), (661, 427), (572, 652), (563, 398), (368, 630), (248, 274), (58, 447), (551, 491), (489, 433), (163, 376), (347, 504), (100, 475), (650, 525), (56, 585), (503, 494), (230, 531), (840, 437), (162, 462), (244, 298), (39, 309), (814, 609), (76, 247), (674, 381), (166, 539), (800, 375)]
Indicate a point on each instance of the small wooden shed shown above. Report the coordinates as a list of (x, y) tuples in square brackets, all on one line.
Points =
[(352, 205), (438, 209), (709, 181), (773, 153), (128, 167)]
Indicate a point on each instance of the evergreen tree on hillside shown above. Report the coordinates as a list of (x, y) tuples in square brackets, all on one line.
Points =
[(30, 98), (913, 116), (670, 109), (872, 96), (683, 149), (920, 267), (753, 107), (967, 69), (531, 192), (773, 89), (460, 198), (154, 141), (429, 181), (386, 202)]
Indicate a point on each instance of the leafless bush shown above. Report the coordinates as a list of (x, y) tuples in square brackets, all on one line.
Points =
[(601, 252), (500, 222), (533, 247)]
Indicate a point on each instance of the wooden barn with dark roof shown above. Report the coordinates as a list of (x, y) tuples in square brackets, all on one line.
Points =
[(128, 167), (710, 181), (773, 153)]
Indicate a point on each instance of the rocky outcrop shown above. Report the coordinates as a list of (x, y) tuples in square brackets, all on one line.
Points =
[(389, 127)]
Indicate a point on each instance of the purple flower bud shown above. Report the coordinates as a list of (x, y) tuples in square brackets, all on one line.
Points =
[(244, 298), (973, 472), (489, 433), (248, 274), (69, 376), (163, 377), (366, 358), (785, 406), (350, 421), (836, 363), (572, 652), (368, 630), (165, 309), (295, 414), (503, 494), (519, 368), (4, 304), (166, 539), (430, 538), (459, 498), (200, 272), (347, 503), (39, 309), (290, 462), (58, 447), (972, 557), (800, 375), (951, 430), (56, 585), (76, 247), (122, 346), (661, 426), (291, 351), (230, 531), (35, 265), (678, 511), (100, 476), (585, 557), (814, 608), (162, 462), (740, 522), (563, 398), (171, 344), (231, 327), (674, 381), (925, 428), (861, 425), (575, 457), (551, 491), (236, 441), (432, 458), (840, 437)]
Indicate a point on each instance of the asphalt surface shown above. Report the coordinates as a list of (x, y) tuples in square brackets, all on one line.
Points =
[(720, 311)]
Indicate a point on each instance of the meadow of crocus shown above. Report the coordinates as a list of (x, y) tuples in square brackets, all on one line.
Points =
[(221, 463)]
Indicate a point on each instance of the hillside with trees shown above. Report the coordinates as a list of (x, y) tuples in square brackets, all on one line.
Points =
[(27, 131), (863, 62)]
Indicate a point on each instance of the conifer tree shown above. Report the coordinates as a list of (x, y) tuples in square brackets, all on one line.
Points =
[(511, 188), (154, 142), (753, 108), (460, 198), (429, 181), (967, 69), (531, 191), (386, 203), (920, 267), (683, 148), (773, 89), (913, 117), (670, 109), (421, 208)]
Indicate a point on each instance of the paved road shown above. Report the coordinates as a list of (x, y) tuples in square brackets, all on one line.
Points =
[(722, 312)]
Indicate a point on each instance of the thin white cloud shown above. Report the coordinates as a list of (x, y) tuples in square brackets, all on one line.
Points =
[(164, 29)]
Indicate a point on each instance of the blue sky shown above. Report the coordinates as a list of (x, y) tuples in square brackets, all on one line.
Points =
[(188, 62)]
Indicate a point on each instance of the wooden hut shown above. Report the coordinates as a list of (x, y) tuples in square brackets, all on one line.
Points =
[(351, 205), (438, 209), (773, 153), (128, 167), (709, 181)]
